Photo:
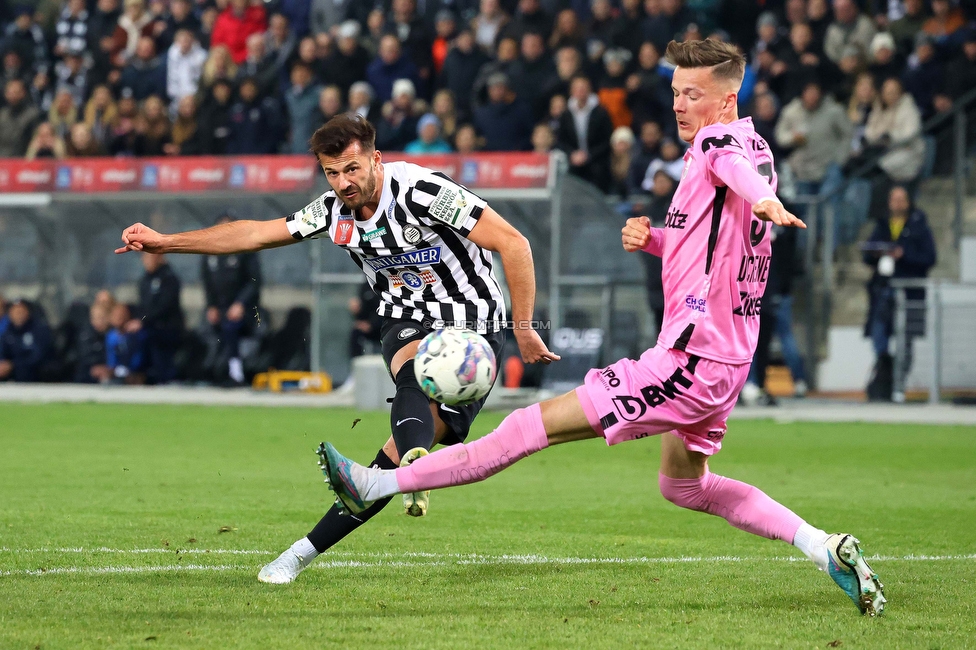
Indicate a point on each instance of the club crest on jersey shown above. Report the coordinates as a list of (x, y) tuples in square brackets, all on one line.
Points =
[(414, 281), (419, 257), (449, 206), (411, 234), (343, 231), (373, 234)]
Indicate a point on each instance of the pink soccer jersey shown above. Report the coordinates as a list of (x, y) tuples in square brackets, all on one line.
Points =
[(715, 252)]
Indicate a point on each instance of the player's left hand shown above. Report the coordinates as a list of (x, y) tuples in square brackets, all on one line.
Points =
[(775, 212), (532, 348)]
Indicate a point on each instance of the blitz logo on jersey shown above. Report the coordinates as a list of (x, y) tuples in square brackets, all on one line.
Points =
[(449, 206), (675, 219), (423, 256), (720, 143), (343, 231)]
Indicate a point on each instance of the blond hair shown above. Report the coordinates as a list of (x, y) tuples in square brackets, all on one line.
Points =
[(725, 60)]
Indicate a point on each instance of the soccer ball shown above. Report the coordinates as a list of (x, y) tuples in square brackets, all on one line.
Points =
[(455, 366)]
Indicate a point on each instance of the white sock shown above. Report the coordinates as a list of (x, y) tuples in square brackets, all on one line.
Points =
[(382, 483), (811, 540), (304, 549)]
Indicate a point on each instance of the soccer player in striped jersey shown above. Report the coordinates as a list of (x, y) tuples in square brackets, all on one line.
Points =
[(715, 248), (425, 245)]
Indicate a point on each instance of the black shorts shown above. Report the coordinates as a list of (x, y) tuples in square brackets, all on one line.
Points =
[(397, 332)]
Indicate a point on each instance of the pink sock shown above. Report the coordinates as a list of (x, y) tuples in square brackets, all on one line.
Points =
[(519, 435), (744, 506)]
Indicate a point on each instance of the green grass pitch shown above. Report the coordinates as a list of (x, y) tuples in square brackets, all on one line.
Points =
[(111, 520)]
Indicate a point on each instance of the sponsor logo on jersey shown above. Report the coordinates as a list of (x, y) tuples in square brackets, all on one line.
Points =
[(373, 234), (422, 256), (720, 143), (753, 268), (631, 407), (415, 281), (695, 304), (609, 378), (411, 234), (675, 219), (751, 305), (406, 333), (449, 206), (343, 231), (757, 230)]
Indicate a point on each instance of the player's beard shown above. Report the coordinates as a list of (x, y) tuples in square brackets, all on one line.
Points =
[(364, 193)]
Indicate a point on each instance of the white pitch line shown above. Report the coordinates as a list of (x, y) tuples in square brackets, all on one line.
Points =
[(461, 560)]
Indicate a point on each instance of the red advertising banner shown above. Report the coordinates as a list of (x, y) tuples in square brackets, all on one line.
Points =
[(248, 173)]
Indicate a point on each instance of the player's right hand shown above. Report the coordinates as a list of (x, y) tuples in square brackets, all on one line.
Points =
[(138, 237), (636, 233)]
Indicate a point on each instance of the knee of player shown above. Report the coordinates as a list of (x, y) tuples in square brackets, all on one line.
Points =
[(406, 378), (682, 492)]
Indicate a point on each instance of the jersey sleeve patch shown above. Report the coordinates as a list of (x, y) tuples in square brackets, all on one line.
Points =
[(308, 222), (439, 199)]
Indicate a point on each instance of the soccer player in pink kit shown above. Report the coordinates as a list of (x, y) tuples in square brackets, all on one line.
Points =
[(715, 248)]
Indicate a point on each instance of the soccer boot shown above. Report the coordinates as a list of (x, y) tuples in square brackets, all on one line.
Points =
[(284, 569), (344, 477), (415, 503), (846, 565)]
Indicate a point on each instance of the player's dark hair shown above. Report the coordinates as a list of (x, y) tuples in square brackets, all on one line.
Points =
[(725, 60), (335, 136)]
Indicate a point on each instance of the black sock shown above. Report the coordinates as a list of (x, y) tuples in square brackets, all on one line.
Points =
[(411, 421), (333, 526)]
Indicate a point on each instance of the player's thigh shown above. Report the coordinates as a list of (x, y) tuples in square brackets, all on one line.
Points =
[(399, 339), (564, 419)]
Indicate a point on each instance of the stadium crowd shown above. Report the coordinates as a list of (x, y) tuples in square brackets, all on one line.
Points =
[(831, 86)]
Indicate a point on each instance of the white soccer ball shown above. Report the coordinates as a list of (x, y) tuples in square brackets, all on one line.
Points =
[(455, 366)]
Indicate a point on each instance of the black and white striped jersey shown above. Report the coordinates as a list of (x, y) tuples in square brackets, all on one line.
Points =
[(415, 249)]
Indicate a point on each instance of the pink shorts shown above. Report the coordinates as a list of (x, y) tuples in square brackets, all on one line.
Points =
[(665, 390)]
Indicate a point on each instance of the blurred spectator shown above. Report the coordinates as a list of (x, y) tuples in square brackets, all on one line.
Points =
[(429, 138), (307, 53), (101, 114), (765, 114), (850, 27), (280, 43), (818, 132), (443, 107), (601, 25), (213, 119), (621, 156), (63, 113), (259, 66), (466, 139), (298, 14), (505, 122), (133, 24), (532, 72), (123, 136), (567, 32), (924, 75), (326, 15), (253, 122), (669, 160), (160, 317), (662, 191), (859, 107), (960, 76), (27, 37), (239, 20), (945, 20), (665, 20), (768, 36), (628, 29), (125, 347), (884, 64), (90, 349), (145, 72), (102, 23), (301, 98), (362, 101), (612, 87), (487, 25), (81, 144), (330, 105), (905, 29), (895, 127), (232, 284), (649, 88), (901, 246), (46, 143), (71, 74), (24, 345), (17, 120), (646, 150), (375, 24), (529, 17), (390, 65), (13, 67), (543, 139), (152, 128), (366, 323), (180, 17), (557, 106), (71, 28), (504, 62), (186, 137), (398, 125), (801, 62), (347, 64), (218, 66), (208, 18), (411, 31), (569, 63), (184, 66), (584, 134)]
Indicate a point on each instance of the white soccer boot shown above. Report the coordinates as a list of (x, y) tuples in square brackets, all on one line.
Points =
[(284, 569)]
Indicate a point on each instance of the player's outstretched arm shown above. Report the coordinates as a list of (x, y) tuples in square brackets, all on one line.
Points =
[(736, 172), (497, 235), (222, 239), (770, 210)]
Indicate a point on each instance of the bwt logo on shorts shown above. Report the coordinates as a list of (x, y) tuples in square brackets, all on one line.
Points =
[(695, 304), (423, 256), (633, 408)]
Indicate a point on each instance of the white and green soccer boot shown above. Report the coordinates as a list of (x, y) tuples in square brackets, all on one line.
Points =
[(415, 503), (846, 565)]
